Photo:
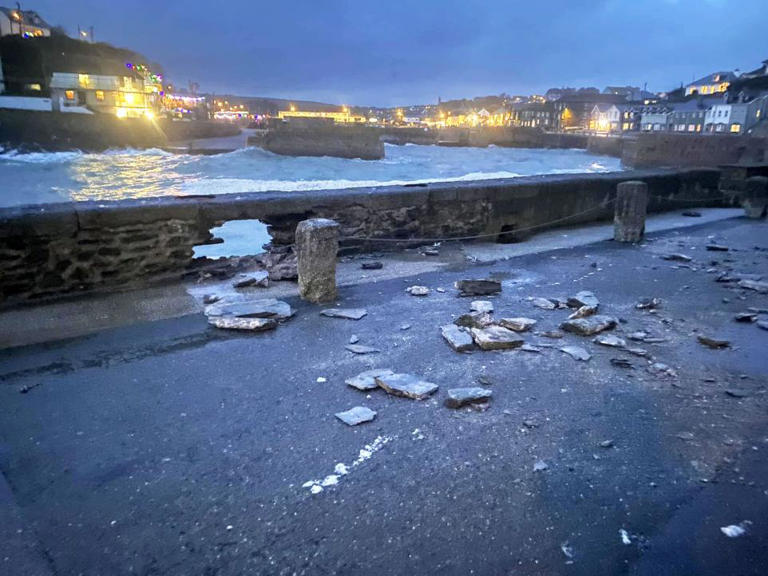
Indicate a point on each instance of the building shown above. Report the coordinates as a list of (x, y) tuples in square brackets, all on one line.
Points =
[(654, 118), (342, 117), (605, 118), (690, 116), (737, 117), (124, 96), (574, 111), (25, 23), (533, 115), (715, 83)]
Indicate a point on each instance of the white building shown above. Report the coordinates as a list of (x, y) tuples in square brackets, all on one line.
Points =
[(605, 118), (125, 96), (736, 118), (25, 23)]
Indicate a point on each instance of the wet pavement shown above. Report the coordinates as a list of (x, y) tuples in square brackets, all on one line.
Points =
[(170, 447)]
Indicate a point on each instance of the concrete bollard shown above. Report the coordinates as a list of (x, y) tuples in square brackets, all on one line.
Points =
[(755, 199), (317, 242), (629, 218)]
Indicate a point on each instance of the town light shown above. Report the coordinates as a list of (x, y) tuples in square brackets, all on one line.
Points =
[(121, 113), (149, 114)]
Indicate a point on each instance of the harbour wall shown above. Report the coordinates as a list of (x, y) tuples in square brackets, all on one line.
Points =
[(68, 248)]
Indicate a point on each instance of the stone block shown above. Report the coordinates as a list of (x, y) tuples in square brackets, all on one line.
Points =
[(629, 217), (755, 197), (317, 242)]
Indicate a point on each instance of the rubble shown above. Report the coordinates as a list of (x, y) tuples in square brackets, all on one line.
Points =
[(458, 338), (610, 340), (262, 308), (762, 324), (677, 257), (406, 385), (583, 298), (482, 306), (648, 304), (474, 320), (540, 466), (458, 397), (365, 381), (746, 317), (258, 279), (530, 348), (583, 312), (555, 334), (660, 369), (713, 342), (418, 290), (496, 338), (239, 323), (756, 285), (517, 324), (356, 415), (577, 353), (716, 248), (360, 349), (621, 363), (375, 265), (638, 352), (544, 303), (478, 287), (347, 313), (590, 325)]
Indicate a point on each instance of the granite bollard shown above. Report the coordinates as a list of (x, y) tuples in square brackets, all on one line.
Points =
[(755, 199), (317, 242), (629, 217)]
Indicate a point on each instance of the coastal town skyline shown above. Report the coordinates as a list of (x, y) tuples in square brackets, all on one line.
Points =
[(395, 57)]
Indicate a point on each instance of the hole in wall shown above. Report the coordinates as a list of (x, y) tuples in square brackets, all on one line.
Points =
[(507, 235), (239, 238)]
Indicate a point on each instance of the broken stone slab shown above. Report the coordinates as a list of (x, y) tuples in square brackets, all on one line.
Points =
[(757, 286), (458, 338), (762, 324), (496, 338), (354, 339), (478, 287), (621, 362), (746, 317), (347, 313), (517, 324), (376, 265), (661, 369), (530, 348), (677, 257), (543, 303), (713, 342), (716, 248), (238, 323), (356, 415), (540, 466), (483, 306), (610, 340), (360, 349), (258, 279), (406, 385), (583, 298), (736, 392), (458, 397), (638, 352), (366, 380), (590, 325), (648, 304), (474, 320), (262, 308), (211, 298), (417, 290), (555, 334), (583, 312), (577, 353), (692, 214)]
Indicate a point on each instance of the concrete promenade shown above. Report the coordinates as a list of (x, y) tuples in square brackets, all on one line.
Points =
[(165, 446)]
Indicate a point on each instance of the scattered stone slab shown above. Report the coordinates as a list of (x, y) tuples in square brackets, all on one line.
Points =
[(577, 353), (554, 334), (405, 326), (590, 325), (583, 298), (762, 324), (606, 444), (458, 397), (736, 392), (677, 257), (517, 324), (713, 342), (478, 287), (540, 466), (365, 381), (238, 323), (496, 338), (610, 340), (746, 317), (406, 385), (375, 265), (660, 369), (418, 290), (356, 415), (482, 306), (354, 339), (262, 308), (648, 304), (583, 312), (757, 286), (687, 436), (543, 303), (347, 313), (716, 248), (431, 252), (638, 352), (474, 320), (211, 298), (458, 338), (530, 348), (258, 279), (360, 349), (621, 363)]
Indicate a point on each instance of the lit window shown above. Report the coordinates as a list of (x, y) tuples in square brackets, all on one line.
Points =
[(100, 95), (736, 128), (84, 80), (69, 94), (35, 86)]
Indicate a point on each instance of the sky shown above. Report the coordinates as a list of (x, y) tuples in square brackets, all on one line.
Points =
[(397, 52)]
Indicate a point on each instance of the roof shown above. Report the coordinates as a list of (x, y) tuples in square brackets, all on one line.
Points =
[(31, 17), (695, 105), (714, 78)]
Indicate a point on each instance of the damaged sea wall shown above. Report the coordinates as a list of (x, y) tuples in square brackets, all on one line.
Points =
[(57, 249)]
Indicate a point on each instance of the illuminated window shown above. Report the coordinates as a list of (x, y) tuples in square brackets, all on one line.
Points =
[(84, 80), (35, 86), (69, 94), (100, 95), (736, 128)]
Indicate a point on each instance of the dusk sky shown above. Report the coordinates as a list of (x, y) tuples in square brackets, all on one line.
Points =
[(395, 52)]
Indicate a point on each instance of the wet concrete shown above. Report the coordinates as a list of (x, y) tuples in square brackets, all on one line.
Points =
[(169, 447)]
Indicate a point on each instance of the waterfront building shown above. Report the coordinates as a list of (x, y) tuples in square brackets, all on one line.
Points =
[(715, 83), (736, 117), (690, 116), (25, 23), (654, 118), (605, 118), (340, 117), (124, 96), (573, 112), (533, 115)]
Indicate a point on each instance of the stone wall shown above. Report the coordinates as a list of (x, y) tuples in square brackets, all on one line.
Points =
[(511, 137), (303, 138), (685, 150), (606, 145), (56, 249)]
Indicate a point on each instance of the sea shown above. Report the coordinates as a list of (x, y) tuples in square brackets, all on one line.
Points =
[(45, 177)]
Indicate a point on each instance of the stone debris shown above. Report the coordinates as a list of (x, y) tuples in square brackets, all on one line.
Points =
[(716, 248), (577, 353), (458, 397), (736, 392), (405, 326), (555, 334), (474, 320), (544, 303), (211, 298), (540, 466), (677, 257), (610, 340), (643, 336), (687, 436), (713, 342), (354, 339), (757, 286), (375, 265), (258, 279), (347, 313), (263, 308), (638, 352), (365, 381), (648, 304), (517, 324), (356, 415), (762, 324), (485, 306), (583, 298), (583, 312), (478, 287), (360, 349), (238, 323), (625, 539), (606, 444), (406, 385), (496, 338), (530, 348), (431, 252), (441, 290), (692, 214), (590, 325), (746, 317), (458, 338), (621, 363), (660, 369), (418, 290)]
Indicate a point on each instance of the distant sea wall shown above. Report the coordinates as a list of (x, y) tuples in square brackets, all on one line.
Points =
[(686, 150), (307, 138), (512, 137), (69, 248), (607, 145)]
